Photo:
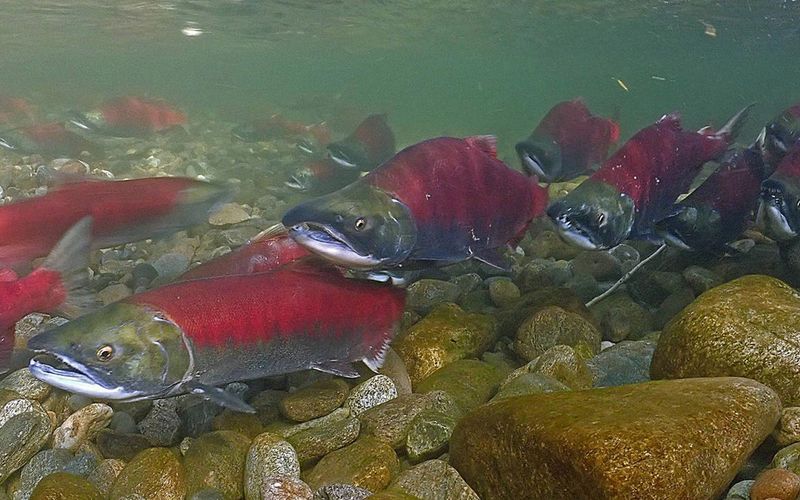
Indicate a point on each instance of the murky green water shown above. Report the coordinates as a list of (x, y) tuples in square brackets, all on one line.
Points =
[(438, 66)]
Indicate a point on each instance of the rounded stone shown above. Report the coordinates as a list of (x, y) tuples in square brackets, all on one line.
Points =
[(620, 317), (601, 265), (433, 480), (269, 455), (503, 292), (315, 442), (701, 279), (244, 423), (368, 463), (162, 425), (50, 461), (21, 437), (125, 446), (155, 472), (528, 383), (113, 293), (372, 392), (26, 385), (105, 474), (429, 434), (216, 460), (82, 426), (740, 490), (551, 326), (65, 486), (315, 400), (425, 294), (229, 213), (285, 488), (787, 458), (788, 429), (468, 381), (561, 363), (781, 484), (341, 492)]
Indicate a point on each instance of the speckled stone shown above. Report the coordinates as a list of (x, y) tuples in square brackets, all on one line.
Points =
[(788, 429), (744, 328), (653, 439), (65, 486), (314, 443), (104, 475), (216, 460), (551, 326), (21, 436), (367, 463), (315, 400), (153, 473), (285, 488), (162, 425), (528, 383), (244, 423), (82, 426), (740, 490), (341, 492), (49, 461), (503, 292), (374, 391), (429, 434), (561, 363), (26, 385), (470, 382), (269, 455), (627, 362), (787, 458), (433, 480), (775, 483), (425, 294), (390, 421), (443, 336)]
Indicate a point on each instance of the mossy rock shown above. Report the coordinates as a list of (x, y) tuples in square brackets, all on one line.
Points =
[(65, 486), (155, 472)]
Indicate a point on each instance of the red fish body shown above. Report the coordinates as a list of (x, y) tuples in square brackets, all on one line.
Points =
[(131, 116), (51, 139), (370, 144), (442, 200), (567, 141), (123, 211), (14, 110), (265, 252), (779, 207)]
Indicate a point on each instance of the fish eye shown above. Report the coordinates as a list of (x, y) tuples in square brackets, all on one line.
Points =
[(360, 224), (105, 353)]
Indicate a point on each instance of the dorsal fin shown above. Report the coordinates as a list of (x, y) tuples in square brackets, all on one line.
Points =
[(486, 143)]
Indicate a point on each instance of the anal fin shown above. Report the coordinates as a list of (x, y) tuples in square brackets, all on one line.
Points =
[(338, 368), (219, 396)]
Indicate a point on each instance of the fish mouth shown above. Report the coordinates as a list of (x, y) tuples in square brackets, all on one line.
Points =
[(77, 378), (297, 184), (5, 144), (674, 239), (532, 164), (572, 231), (772, 219), (330, 244), (341, 157)]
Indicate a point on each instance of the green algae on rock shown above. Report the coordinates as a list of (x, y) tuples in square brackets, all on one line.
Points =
[(65, 486), (551, 326), (470, 382), (429, 434), (21, 437), (367, 463), (315, 442), (315, 400), (528, 383), (445, 335), (665, 439), (744, 328), (216, 460), (154, 472)]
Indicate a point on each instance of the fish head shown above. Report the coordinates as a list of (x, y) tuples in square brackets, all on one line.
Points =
[(349, 154), (779, 207), (778, 136), (540, 157), (90, 121), (358, 226), (121, 352), (691, 227), (593, 216)]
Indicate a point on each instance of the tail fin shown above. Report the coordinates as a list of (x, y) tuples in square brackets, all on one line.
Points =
[(730, 131), (70, 258)]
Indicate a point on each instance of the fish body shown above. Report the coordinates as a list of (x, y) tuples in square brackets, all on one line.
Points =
[(122, 211), (55, 286), (567, 141), (638, 184), (195, 335), (780, 135), (14, 110), (50, 139), (311, 137), (130, 116), (322, 176), (370, 144), (779, 205), (266, 252), (717, 212), (440, 201)]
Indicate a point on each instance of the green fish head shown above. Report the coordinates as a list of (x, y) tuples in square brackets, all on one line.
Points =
[(120, 352), (541, 157), (359, 226)]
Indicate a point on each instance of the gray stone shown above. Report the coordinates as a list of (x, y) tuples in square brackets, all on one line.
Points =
[(105, 473), (26, 385), (701, 279), (740, 490), (21, 436), (197, 414), (269, 455), (328, 435), (113, 293), (162, 426), (433, 480), (627, 362), (601, 265), (429, 434), (341, 492), (528, 383), (122, 422), (171, 265), (113, 444), (285, 488), (47, 462), (374, 391), (503, 292), (426, 294)]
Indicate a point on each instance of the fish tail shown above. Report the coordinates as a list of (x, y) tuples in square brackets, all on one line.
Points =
[(70, 258), (730, 131)]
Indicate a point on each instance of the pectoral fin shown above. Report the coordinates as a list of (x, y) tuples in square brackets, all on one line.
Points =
[(219, 396), (338, 368)]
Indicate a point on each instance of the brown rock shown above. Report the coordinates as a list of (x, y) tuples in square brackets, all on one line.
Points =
[(551, 326), (315, 400), (368, 463), (776, 483)]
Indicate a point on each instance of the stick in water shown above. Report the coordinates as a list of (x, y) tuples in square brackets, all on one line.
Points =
[(626, 277)]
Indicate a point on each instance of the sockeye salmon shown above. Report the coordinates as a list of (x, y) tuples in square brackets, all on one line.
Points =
[(130, 116), (370, 144), (49, 139), (779, 207)]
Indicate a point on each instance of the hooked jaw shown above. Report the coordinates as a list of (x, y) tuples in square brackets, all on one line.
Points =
[(341, 156), (572, 231), (773, 210), (77, 378), (330, 244)]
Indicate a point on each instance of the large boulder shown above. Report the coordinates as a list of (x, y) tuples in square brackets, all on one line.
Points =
[(665, 439), (745, 328)]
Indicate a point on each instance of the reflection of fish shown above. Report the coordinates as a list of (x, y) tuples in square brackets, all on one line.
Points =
[(779, 208), (122, 211), (196, 335), (370, 144), (267, 251), (51, 139), (322, 176), (130, 116), (637, 185), (310, 137), (779, 135), (717, 211), (440, 201), (567, 141), (56, 285)]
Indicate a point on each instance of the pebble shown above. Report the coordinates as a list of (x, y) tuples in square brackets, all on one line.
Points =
[(284, 488), (503, 292), (775, 483), (171, 265), (269, 455), (315, 400), (368, 463), (247, 424), (315, 442), (162, 426), (787, 458), (216, 460), (229, 213), (788, 429), (740, 490), (82, 426), (341, 492), (65, 486), (601, 265), (374, 391), (21, 436), (114, 293), (424, 295), (26, 385), (104, 475), (701, 279), (551, 326), (563, 364), (620, 317), (153, 473), (627, 362), (468, 381), (122, 422), (528, 383)]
